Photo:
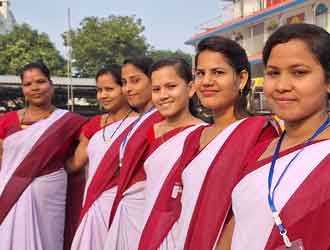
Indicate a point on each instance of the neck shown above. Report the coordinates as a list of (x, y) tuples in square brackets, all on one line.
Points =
[(298, 131), (181, 119), (145, 108), (223, 118), (40, 109), (120, 113)]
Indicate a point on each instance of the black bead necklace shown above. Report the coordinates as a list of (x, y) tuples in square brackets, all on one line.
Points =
[(105, 125)]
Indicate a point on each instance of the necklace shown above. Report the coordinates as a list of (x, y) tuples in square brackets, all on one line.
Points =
[(124, 142), (25, 124), (108, 141)]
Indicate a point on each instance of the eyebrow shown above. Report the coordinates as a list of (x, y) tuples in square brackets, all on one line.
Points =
[(133, 76), (166, 83), (130, 77), (271, 66), (216, 68), (291, 66), (170, 82)]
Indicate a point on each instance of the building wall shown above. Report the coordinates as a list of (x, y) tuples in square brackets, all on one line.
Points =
[(253, 36), (7, 20)]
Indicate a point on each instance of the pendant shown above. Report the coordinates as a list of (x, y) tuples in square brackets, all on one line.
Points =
[(108, 142)]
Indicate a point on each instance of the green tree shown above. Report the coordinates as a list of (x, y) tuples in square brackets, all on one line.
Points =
[(159, 54), (102, 41), (24, 45)]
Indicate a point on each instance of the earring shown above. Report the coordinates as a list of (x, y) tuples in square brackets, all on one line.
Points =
[(199, 106)]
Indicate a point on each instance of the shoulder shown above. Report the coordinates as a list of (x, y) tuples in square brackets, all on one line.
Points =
[(151, 133), (265, 127), (7, 121), (94, 122), (72, 117), (258, 120), (9, 117), (92, 126)]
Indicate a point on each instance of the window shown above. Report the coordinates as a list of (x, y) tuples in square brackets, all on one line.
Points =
[(321, 15), (258, 103)]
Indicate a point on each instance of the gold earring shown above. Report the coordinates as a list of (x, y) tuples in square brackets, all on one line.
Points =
[(199, 107)]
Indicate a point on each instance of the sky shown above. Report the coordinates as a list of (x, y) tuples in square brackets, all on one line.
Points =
[(168, 23)]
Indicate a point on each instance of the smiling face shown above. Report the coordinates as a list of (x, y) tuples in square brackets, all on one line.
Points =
[(295, 84), (170, 93), (136, 86), (36, 87), (109, 93), (216, 82)]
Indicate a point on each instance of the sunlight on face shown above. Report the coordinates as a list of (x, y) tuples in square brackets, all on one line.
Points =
[(295, 85), (215, 81), (170, 93), (136, 86)]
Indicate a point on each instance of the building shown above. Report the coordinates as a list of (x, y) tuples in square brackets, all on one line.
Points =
[(7, 19), (252, 23)]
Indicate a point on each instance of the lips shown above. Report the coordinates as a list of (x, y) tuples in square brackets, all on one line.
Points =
[(209, 92), (36, 95), (131, 96), (165, 103), (106, 102), (285, 99)]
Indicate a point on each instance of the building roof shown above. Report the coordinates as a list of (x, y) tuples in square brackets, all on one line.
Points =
[(255, 59), (15, 80), (243, 20)]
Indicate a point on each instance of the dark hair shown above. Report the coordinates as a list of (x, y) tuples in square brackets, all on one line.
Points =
[(237, 58), (182, 68), (114, 70), (143, 63), (316, 38), (36, 65)]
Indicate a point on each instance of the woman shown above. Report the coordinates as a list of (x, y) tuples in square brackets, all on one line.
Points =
[(130, 175), (96, 146), (222, 81), (292, 210), (36, 142), (171, 89)]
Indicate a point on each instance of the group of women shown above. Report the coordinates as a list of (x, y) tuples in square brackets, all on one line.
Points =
[(158, 178)]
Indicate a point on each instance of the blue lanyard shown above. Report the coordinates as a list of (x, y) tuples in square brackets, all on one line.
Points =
[(125, 141), (271, 194)]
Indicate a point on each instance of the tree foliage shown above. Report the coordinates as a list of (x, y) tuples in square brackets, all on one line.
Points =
[(160, 54), (102, 41), (24, 45)]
